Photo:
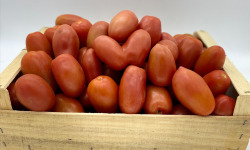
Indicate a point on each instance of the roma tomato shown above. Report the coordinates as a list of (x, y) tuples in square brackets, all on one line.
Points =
[(137, 47), (35, 93), (178, 109), (153, 26), (189, 51), (67, 19), (171, 46), (179, 37), (82, 51), (82, 27), (110, 52), (158, 101), (218, 82), (65, 41), (86, 103), (49, 33), (122, 25), (212, 58), (224, 105), (37, 41), (39, 63), (103, 94), (91, 64), (132, 90), (161, 65), (97, 29), (193, 92), (114, 74), (67, 104), (167, 36), (16, 105), (68, 74)]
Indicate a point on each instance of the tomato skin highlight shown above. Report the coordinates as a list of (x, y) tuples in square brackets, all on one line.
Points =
[(132, 90), (69, 75), (122, 25), (65, 41), (34, 93), (158, 101), (224, 105), (193, 92), (103, 94), (67, 19), (218, 82), (212, 58), (67, 104)]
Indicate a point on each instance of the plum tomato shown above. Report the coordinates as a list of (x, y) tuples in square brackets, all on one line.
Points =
[(179, 109), (167, 36), (171, 46), (49, 33), (16, 105), (67, 19), (67, 104), (224, 105)]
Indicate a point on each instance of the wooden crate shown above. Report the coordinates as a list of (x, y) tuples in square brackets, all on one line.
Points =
[(76, 131)]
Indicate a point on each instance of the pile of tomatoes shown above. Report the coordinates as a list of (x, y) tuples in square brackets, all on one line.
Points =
[(125, 66)]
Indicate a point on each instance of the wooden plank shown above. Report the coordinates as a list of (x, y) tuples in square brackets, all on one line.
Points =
[(5, 103), (242, 106), (49, 130)]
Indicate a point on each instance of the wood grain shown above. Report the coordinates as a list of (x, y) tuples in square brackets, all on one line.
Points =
[(48, 130)]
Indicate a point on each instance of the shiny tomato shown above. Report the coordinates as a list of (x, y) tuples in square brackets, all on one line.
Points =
[(132, 90), (67, 19), (97, 29), (161, 65), (218, 82), (153, 26), (65, 41), (110, 52), (68, 74), (212, 58), (224, 105), (16, 105), (189, 51), (137, 47), (67, 104), (171, 46), (35, 93), (49, 33), (122, 25), (82, 27), (193, 92), (37, 41), (86, 103), (178, 109), (103, 94), (91, 64), (39, 63), (167, 36), (158, 101)]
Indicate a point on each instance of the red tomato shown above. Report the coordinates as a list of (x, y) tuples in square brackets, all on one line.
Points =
[(224, 105), (86, 103), (212, 58), (68, 74), (37, 41), (122, 25), (82, 27), (179, 37), (137, 47), (16, 105), (49, 33), (189, 51), (161, 65), (99, 28), (180, 110), (103, 94), (67, 19), (158, 101), (193, 92), (82, 51), (110, 52), (167, 36), (35, 93), (65, 41), (218, 82), (39, 63), (132, 90), (153, 26), (67, 104), (171, 46), (114, 74), (91, 64)]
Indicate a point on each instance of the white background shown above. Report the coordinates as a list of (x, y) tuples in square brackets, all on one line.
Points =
[(227, 21)]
